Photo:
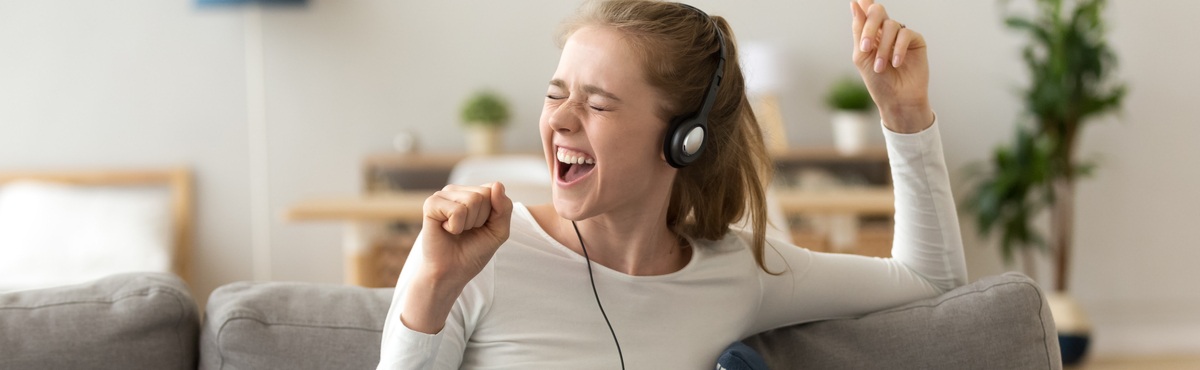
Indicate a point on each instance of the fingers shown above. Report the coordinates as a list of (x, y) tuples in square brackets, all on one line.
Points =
[(864, 4), (446, 214), (887, 41), (873, 30), (906, 39), (460, 208), (876, 14), (502, 206), (858, 18)]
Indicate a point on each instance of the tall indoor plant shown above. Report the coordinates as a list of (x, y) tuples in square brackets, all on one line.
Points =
[(1070, 66)]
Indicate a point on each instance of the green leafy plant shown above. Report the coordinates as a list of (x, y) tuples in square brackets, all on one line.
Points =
[(849, 94), (1070, 66), (485, 108)]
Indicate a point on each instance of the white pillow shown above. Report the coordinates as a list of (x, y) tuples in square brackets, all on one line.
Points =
[(54, 234)]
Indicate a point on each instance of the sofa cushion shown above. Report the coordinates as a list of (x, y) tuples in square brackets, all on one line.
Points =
[(996, 322), (293, 326), (126, 321)]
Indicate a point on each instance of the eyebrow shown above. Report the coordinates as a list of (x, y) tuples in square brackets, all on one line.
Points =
[(587, 89)]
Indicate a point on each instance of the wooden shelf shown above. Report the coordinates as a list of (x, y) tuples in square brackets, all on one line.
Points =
[(865, 201), (399, 206), (871, 154)]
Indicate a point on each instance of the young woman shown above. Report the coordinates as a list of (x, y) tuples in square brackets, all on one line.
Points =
[(634, 264)]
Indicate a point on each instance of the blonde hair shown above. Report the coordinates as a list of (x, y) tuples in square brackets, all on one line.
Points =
[(678, 47)]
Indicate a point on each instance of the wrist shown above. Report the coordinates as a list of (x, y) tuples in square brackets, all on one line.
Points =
[(428, 300), (907, 118)]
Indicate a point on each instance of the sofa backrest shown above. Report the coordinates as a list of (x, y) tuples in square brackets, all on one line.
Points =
[(148, 321), (997, 322), (293, 326), (126, 321)]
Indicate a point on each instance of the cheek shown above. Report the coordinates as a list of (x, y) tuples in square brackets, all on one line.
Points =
[(544, 127), (639, 148)]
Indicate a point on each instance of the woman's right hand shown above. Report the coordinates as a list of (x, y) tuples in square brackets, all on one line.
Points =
[(462, 229)]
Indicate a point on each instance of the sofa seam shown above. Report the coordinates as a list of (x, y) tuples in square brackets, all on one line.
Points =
[(1042, 321), (248, 314), (179, 340), (947, 299), (138, 293), (299, 324), (236, 315)]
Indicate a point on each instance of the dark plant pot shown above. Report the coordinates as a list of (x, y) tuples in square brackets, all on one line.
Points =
[(1074, 330), (1073, 346)]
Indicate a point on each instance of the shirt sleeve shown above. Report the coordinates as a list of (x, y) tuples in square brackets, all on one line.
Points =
[(927, 253), (404, 348)]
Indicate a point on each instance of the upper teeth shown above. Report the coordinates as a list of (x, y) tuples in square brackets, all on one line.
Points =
[(566, 156)]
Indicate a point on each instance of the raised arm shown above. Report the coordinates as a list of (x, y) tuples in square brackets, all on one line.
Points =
[(892, 60), (445, 286), (927, 253)]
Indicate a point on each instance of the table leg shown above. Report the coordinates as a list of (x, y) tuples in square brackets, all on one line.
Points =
[(356, 244)]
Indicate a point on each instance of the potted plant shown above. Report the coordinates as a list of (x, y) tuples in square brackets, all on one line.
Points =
[(484, 114), (1070, 66), (851, 104)]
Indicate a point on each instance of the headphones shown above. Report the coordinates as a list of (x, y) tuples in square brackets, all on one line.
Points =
[(684, 141)]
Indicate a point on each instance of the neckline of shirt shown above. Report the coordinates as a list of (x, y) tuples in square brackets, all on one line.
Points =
[(520, 209)]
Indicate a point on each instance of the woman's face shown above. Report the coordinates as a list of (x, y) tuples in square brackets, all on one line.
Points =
[(600, 129)]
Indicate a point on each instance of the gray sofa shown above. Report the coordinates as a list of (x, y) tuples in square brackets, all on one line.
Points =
[(149, 321)]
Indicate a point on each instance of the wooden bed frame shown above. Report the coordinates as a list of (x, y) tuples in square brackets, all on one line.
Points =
[(178, 180)]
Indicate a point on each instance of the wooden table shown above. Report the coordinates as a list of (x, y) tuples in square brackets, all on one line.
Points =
[(400, 206), (366, 217)]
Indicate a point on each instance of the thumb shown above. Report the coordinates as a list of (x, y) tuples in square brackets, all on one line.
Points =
[(501, 218)]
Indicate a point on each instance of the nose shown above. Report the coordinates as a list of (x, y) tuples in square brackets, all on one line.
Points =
[(565, 117)]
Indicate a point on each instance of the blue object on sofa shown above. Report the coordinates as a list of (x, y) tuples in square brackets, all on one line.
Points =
[(739, 356)]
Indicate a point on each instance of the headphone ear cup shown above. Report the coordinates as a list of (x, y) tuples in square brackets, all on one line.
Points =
[(675, 141), (672, 146)]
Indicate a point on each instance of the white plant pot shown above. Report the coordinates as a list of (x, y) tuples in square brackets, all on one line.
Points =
[(850, 131), (483, 139)]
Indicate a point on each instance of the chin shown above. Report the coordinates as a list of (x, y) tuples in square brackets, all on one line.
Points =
[(570, 209)]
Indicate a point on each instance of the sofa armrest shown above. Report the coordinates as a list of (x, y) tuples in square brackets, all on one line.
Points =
[(997, 322), (126, 321), (293, 326)]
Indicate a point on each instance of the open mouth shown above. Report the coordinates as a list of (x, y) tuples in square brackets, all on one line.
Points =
[(573, 165)]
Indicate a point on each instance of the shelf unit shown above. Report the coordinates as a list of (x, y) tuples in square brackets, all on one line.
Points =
[(819, 190)]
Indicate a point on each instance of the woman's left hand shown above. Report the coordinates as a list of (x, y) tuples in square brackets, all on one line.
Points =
[(892, 61)]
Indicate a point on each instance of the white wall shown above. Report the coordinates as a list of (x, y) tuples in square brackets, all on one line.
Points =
[(136, 82), (343, 78)]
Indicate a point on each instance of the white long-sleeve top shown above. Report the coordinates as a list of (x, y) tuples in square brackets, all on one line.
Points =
[(532, 306)]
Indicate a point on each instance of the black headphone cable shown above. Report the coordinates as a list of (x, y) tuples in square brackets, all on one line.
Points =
[(597, 294)]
